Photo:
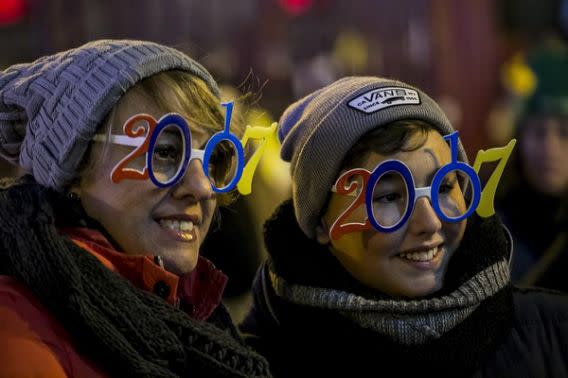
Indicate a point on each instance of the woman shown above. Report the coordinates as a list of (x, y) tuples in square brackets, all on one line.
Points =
[(101, 273), (379, 264)]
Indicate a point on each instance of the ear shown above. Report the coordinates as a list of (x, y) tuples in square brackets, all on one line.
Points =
[(322, 232)]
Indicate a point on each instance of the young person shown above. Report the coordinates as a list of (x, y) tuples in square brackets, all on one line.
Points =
[(380, 264)]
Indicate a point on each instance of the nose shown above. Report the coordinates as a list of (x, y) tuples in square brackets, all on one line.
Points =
[(194, 184), (424, 219)]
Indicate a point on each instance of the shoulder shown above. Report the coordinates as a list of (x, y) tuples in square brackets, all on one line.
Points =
[(537, 343), (16, 296), (262, 319), (540, 325), (30, 345), (536, 305)]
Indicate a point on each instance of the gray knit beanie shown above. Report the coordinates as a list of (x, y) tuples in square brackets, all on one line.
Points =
[(51, 108), (317, 132)]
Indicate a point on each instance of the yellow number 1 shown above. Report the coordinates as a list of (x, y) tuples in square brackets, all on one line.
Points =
[(486, 206), (266, 134)]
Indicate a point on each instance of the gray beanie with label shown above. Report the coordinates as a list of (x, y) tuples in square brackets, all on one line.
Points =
[(50, 109), (317, 131)]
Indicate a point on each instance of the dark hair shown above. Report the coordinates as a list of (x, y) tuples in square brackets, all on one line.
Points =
[(388, 139)]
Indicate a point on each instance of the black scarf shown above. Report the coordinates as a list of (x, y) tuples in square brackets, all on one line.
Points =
[(126, 330)]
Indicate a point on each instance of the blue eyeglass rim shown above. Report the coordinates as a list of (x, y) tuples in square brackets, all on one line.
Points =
[(165, 121)]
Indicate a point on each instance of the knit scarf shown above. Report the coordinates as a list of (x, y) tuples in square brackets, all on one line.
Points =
[(479, 269), (126, 330)]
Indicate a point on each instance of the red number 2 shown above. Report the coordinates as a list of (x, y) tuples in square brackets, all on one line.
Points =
[(340, 226), (120, 171)]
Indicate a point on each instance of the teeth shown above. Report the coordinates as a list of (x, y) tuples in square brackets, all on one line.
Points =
[(420, 256), (177, 225), (186, 226)]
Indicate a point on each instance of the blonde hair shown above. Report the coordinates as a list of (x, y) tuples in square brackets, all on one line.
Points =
[(195, 102)]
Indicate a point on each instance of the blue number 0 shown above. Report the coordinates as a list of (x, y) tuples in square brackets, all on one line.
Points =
[(167, 120)]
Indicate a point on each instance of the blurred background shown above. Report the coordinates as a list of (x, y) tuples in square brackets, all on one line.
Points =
[(464, 53)]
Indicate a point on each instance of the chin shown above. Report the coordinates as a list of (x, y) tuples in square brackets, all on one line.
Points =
[(433, 290), (179, 265), (421, 289)]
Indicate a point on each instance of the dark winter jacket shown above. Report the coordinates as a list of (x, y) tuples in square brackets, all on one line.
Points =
[(509, 332)]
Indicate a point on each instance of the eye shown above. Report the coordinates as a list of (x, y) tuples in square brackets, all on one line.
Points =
[(388, 197), (447, 186), (166, 152), (390, 189)]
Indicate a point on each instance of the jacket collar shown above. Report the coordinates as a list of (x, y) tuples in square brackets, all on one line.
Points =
[(198, 292)]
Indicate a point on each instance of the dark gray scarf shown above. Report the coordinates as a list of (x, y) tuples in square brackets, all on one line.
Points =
[(405, 321)]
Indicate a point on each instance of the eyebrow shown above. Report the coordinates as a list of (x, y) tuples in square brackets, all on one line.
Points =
[(437, 167), (390, 176), (171, 134), (170, 131)]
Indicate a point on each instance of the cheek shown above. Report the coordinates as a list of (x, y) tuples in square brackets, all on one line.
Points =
[(346, 208), (382, 242), (210, 210), (348, 243), (113, 204), (102, 202), (453, 233)]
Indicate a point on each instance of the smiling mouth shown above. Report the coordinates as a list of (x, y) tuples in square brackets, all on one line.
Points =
[(181, 229), (428, 255)]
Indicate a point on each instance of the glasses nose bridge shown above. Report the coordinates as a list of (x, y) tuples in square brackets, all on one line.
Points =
[(195, 164), (196, 155), (425, 191)]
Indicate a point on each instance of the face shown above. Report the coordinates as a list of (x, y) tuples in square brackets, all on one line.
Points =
[(543, 147), (141, 217), (411, 261)]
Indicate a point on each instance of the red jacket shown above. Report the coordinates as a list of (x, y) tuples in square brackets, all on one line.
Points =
[(33, 343)]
